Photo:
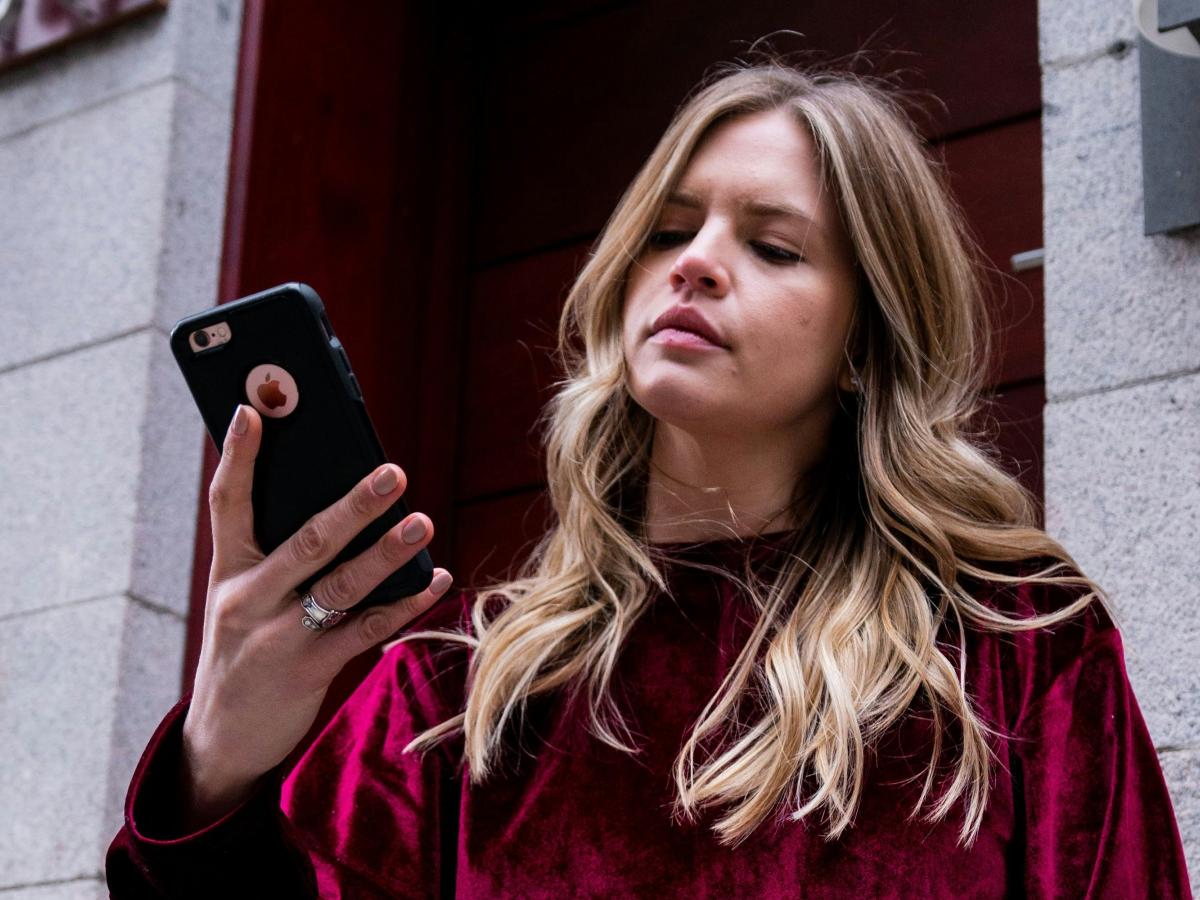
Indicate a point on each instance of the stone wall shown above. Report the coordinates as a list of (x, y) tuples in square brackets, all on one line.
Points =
[(113, 160), (1122, 458)]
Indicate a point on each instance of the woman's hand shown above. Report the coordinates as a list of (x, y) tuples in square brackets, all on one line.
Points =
[(262, 675)]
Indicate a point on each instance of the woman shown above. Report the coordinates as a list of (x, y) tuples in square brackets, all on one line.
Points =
[(794, 631)]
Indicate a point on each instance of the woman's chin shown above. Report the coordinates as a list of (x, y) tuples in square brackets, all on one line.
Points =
[(685, 407)]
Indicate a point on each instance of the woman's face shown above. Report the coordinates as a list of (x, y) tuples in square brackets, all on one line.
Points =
[(750, 248)]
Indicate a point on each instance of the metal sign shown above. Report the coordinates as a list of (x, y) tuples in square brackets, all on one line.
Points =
[(1169, 75)]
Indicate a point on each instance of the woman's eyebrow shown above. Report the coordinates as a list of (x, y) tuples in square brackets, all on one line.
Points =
[(761, 208)]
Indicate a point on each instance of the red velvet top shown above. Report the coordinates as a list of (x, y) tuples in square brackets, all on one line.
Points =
[(1079, 807)]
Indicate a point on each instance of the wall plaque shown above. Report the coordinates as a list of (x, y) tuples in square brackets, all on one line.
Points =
[(31, 28)]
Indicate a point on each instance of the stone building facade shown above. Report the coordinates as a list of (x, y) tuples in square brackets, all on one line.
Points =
[(113, 159), (113, 166)]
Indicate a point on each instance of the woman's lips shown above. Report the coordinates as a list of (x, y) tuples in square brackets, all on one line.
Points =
[(677, 337), (684, 317)]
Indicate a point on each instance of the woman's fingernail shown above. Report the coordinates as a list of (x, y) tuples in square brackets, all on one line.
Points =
[(440, 582), (413, 531), (240, 420), (384, 482)]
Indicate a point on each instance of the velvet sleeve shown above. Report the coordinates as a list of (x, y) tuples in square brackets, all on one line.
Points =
[(376, 821), (356, 816), (1099, 820), (249, 852)]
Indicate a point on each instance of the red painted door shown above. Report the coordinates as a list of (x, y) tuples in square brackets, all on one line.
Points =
[(574, 100), (439, 176)]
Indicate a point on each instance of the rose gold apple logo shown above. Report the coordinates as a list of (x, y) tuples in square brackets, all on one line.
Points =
[(272, 390), (269, 392)]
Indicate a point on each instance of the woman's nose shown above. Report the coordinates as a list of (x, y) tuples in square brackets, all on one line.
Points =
[(698, 268)]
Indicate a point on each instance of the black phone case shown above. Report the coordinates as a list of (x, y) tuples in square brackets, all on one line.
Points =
[(316, 454)]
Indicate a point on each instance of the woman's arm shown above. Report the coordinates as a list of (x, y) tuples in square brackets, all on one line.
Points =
[(247, 851), (356, 817)]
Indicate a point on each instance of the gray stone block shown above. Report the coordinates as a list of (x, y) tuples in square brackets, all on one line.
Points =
[(149, 682), (84, 687), (1122, 473), (195, 42), (114, 218), (71, 473), (169, 487), (1092, 97), (193, 223), (82, 230), (1072, 29), (78, 889), (1120, 306), (1182, 771), (207, 42)]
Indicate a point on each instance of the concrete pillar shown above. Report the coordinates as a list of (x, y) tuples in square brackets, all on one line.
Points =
[(1122, 457), (113, 160)]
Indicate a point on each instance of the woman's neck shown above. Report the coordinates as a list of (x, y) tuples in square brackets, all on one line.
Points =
[(719, 486)]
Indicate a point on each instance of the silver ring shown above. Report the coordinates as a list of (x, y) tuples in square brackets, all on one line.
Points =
[(317, 617)]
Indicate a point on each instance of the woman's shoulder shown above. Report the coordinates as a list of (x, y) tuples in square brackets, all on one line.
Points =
[(1033, 659), (1044, 586)]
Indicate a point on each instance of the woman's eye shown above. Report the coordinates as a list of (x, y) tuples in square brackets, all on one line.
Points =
[(771, 253), (662, 240)]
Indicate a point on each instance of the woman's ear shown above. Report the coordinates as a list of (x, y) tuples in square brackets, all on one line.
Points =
[(853, 357)]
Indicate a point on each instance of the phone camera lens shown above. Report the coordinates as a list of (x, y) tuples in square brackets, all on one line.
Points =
[(201, 337)]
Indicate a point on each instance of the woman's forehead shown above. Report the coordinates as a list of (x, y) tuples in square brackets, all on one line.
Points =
[(763, 164), (763, 150)]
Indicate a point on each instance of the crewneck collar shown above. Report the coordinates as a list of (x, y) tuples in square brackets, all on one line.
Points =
[(724, 549)]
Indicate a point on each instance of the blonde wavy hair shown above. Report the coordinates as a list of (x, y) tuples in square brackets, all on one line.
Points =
[(909, 500)]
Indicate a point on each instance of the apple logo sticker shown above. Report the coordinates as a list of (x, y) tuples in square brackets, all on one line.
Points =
[(272, 391)]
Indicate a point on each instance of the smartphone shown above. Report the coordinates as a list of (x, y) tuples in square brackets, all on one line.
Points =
[(276, 351)]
